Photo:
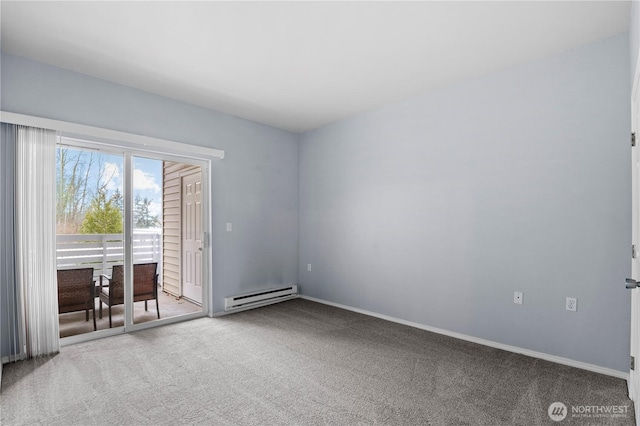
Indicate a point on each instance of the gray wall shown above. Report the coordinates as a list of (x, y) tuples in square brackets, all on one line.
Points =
[(436, 209), (255, 187), (634, 36)]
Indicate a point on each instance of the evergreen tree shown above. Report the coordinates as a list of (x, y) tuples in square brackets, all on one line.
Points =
[(103, 216), (118, 200), (142, 217)]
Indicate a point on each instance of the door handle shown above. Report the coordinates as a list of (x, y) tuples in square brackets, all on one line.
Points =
[(631, 283)]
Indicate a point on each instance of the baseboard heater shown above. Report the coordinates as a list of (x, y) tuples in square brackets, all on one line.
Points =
[(260, 298)]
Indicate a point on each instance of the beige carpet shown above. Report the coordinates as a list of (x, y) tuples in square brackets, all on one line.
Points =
[(75, 322), (296, 363)]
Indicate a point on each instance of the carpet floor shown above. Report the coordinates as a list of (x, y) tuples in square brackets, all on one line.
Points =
[(298, 363)]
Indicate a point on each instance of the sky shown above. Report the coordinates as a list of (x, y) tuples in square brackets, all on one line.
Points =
[(147, 177), (147, 181)]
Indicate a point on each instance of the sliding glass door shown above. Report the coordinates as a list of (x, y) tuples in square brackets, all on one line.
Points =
[(138, 221)]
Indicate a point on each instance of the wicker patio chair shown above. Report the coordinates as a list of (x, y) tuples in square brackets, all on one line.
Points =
[(145, 286), (76, 292)]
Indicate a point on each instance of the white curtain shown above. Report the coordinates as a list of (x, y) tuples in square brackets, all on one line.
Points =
[(36, 239)]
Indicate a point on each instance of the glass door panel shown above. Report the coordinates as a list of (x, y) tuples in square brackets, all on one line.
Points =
[(90, 243), (166, 239)]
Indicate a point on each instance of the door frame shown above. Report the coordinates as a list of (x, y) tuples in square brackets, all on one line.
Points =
[(633, 383), (128, 153)]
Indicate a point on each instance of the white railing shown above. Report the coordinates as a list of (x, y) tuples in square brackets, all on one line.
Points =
[(102, 251)]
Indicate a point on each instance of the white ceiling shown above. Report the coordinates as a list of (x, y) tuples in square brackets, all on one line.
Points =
[(299, 65)]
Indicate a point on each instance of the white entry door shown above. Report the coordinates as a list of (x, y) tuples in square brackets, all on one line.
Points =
[(192, 237), (634, 376)]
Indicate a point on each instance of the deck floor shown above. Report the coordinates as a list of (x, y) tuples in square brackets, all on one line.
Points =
[(74, 323)]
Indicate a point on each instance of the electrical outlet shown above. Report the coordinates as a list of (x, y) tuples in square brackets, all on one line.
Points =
[(517, 297), (308, 267), (572, 304), (229, 227)]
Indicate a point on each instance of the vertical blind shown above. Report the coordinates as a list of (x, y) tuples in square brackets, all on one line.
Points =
[(29, 293), (10, 342), (35, 238)]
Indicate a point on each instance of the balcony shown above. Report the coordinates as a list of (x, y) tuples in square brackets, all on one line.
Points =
[(102, 252)]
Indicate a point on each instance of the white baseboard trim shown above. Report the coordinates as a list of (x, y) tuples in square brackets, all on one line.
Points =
[(490, 343)]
